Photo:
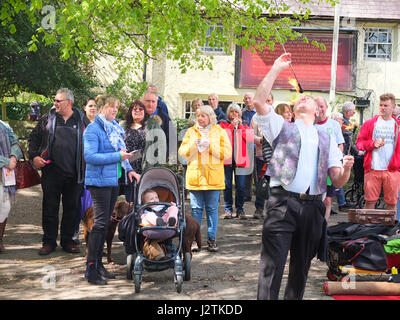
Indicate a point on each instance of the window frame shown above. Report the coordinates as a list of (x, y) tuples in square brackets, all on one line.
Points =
[(369, 44), (207, 49)]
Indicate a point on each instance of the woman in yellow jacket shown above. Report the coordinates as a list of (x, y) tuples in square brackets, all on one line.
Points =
[(205, 146)]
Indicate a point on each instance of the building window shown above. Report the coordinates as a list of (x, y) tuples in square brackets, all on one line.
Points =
[(188, 109), (209, 47), (378, 44)]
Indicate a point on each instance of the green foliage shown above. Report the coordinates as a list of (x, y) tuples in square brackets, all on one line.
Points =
[(17, 111), (21, 111), (134, 31), (126, 90), (38, 67), (180, 123)]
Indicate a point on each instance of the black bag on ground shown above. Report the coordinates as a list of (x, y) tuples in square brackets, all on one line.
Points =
[(365, 253), (359, 245)]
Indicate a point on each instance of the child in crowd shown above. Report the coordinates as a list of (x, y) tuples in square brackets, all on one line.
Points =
[(156, 215)]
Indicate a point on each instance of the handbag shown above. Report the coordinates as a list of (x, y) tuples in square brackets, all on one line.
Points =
[(86, 201), (26, 174), (262, 188)]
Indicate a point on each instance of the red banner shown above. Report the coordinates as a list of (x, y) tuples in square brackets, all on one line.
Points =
[(311, 64)]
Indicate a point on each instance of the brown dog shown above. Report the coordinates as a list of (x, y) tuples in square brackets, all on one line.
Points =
[(121, 209), (191, 233)]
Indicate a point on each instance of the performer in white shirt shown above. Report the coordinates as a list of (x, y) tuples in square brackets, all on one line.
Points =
[(303, 157)]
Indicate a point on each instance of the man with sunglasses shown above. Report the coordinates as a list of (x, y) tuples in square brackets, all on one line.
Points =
[(55, 147)]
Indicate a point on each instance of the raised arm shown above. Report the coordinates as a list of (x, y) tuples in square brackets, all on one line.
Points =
[(264, 89)]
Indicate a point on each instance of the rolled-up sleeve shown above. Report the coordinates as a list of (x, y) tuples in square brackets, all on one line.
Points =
[(335, 155)]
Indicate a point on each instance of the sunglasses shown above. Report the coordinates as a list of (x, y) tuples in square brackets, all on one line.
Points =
[(58, 101), (137, 108)]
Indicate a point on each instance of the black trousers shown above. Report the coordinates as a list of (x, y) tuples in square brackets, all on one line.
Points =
[(290, 225), (58, 187), (104, 199)]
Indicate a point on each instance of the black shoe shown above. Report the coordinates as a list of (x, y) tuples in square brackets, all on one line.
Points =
[(160, 222), (103, 271), (71, 248), (333, 212), (92, 275), (171, 221), (241, 215), (247, 199)]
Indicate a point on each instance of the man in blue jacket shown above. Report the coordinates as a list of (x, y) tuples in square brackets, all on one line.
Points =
[(161, 105), (149, 100), (213, 101)]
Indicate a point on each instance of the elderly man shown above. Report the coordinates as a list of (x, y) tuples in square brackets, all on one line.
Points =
[(378, 137), (348, 110), (149, 100), (55, 146), (160, 103), (303, 157), (247, 114), (213, 101)]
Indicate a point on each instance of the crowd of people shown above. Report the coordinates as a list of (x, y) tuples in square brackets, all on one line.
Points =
[(305, 156)]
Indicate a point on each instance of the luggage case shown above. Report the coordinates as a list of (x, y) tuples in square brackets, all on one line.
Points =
[(372, 216)]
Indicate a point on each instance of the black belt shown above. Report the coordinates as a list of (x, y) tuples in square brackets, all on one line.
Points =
[(301, 196)]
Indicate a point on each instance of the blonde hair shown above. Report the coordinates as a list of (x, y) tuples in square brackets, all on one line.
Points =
[(145, 192), (197, 100), (208, 110), (104, 99), (281, 108), (388, 96)]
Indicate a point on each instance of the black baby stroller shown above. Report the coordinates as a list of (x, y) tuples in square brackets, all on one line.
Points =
[(170, 188)]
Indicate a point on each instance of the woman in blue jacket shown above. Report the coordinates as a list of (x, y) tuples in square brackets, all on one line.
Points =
[(105, 155)]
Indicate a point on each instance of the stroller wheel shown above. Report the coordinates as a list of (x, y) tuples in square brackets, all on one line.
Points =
[(178, 283), (137, 279), (130, 262), (186, 266)]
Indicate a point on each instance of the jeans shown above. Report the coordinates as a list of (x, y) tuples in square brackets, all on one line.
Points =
[(340, 197), (208, 199), (239, 189), (104, 200)]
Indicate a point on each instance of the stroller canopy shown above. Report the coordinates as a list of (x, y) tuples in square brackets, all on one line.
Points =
[(158, 177)]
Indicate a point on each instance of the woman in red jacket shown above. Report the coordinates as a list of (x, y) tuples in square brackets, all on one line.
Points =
[(239, 163)]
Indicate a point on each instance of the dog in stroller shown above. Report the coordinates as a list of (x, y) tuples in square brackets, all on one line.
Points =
[(156, 247)]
